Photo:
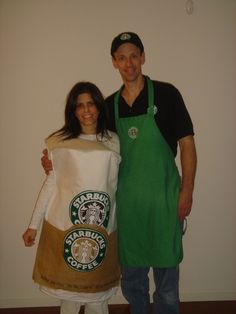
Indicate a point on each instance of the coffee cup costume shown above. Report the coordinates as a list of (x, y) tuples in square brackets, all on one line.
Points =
[(77, 252)]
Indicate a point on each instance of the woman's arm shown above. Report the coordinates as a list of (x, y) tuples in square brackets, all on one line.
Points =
[(39, 210)]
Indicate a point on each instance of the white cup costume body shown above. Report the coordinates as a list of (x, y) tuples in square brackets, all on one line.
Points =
[(77, 252)]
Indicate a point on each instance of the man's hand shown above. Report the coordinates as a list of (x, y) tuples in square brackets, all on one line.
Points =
[(185, 204), (29, 237), (188, 159), (46, 162)]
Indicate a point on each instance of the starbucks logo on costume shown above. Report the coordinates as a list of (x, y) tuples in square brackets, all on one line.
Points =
[(90, 207), (84, 249), (133, 132)]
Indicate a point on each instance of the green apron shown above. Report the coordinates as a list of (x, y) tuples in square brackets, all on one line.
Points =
[(149, 231)]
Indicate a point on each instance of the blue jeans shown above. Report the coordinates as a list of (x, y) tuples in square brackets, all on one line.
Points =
[(135, 288)]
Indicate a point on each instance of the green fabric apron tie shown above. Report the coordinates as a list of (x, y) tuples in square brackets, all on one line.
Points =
[(147, 197)]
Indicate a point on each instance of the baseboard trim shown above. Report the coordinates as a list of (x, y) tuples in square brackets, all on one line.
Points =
[(113, 309), (46, 301), (203, 307)]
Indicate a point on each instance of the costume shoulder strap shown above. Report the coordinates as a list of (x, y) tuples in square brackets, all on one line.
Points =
[(55, 141)]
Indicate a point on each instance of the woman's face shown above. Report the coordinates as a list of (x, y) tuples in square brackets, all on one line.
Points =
[(87, 113)]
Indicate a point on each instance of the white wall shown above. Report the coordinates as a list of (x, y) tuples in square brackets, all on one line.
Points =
[(48, 45)]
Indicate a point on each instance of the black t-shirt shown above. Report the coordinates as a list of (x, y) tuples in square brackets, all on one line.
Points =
[(172, 117)]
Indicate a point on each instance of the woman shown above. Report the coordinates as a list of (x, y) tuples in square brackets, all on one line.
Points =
[(77, 255)]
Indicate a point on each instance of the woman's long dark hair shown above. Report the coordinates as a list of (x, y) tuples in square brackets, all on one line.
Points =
[(72, 127)]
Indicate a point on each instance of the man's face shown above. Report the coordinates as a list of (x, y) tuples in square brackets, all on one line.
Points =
[(128, 60)]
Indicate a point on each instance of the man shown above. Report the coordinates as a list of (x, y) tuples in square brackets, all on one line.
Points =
[(151, 119)]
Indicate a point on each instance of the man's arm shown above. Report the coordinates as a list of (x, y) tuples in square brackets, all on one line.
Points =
[(188, 158), (46, 162)]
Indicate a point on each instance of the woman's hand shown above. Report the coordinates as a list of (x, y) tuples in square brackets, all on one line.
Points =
[(29, 236)]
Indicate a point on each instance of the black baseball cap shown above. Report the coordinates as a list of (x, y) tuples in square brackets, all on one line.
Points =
[(126, 37)]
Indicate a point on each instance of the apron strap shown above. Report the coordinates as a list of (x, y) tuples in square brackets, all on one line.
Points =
[(151, 109), (116, 104)]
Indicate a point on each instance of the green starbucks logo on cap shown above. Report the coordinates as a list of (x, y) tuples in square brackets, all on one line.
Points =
[(125, 36)]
